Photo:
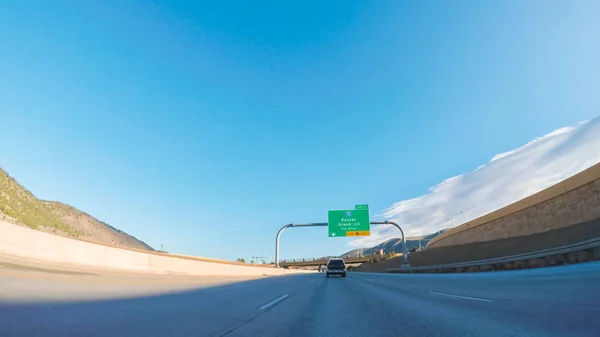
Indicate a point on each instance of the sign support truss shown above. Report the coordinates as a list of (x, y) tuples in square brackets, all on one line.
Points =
[(325, 224)]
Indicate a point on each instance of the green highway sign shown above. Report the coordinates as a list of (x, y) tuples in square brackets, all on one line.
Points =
[(352, 222), (362, 207)]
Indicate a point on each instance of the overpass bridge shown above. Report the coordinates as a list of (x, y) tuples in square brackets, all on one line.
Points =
[(321, 261)]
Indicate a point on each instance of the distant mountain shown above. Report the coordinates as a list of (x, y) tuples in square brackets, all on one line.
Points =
[(393, 245), (20, 206), (506, 178)]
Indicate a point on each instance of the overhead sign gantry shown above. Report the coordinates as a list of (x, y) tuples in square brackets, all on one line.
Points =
[(345, 223)]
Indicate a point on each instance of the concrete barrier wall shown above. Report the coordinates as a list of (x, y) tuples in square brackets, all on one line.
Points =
[(27, 243), (127, 260), (572, 201), (160, 264)]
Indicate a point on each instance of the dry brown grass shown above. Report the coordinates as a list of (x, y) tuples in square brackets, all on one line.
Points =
[(20, 206)]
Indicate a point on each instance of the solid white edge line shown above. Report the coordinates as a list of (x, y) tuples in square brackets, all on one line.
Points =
[(281, 298), (463, 297)]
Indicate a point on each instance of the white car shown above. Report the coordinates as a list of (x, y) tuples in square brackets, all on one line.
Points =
[(336, 267)]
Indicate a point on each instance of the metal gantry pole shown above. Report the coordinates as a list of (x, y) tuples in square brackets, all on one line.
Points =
[(403, 243), (321, 224), (277, 243), (324, 224)]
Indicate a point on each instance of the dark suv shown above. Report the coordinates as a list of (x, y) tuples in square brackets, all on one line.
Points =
[(336, 267)]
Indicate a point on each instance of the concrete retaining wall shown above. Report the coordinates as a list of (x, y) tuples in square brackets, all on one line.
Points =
[(572, 201), (27, 243)]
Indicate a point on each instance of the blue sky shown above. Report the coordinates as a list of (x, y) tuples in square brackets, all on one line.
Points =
[(206, 126)]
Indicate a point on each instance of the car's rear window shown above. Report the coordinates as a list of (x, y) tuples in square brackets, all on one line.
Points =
[(336, 263)]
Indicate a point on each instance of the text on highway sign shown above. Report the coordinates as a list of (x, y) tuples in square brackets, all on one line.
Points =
[(352, 222)]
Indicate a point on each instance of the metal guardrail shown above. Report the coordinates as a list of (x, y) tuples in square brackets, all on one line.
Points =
[(576, 247)]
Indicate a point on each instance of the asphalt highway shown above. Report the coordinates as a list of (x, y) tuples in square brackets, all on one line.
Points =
[(56, 301)]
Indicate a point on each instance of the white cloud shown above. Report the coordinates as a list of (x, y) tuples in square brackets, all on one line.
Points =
[(508, 177)]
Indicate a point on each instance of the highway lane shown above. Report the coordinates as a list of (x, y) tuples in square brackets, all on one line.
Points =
[(560, 301)]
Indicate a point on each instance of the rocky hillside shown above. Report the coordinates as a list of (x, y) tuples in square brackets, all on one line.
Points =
[(19, 206), (393, 245)]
